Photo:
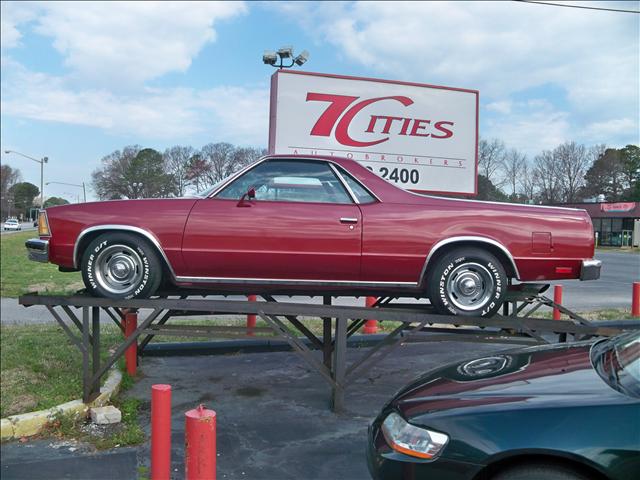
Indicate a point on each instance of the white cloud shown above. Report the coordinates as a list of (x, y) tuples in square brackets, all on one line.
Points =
[(124, 42), (500, 48), (530, 126), (112, 50), (503, 106), (617, 129), (12, 14), (234, 114)]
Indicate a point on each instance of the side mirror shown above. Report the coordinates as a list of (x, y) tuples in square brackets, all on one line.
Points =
[(251, 195)]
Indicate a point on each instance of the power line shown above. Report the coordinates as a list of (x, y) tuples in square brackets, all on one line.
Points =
[(578, 6)]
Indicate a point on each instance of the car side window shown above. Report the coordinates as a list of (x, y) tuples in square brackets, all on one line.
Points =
[(358, 190), (289, 181)]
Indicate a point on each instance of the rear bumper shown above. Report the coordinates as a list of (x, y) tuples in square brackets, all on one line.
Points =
[(38, 250), (590, 269)]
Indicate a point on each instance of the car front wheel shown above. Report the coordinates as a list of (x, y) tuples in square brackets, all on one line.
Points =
[(121, 266), (468, 282)]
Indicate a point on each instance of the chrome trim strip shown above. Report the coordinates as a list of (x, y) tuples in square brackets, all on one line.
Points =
[(148, 235), (340, 167), (448, 241), (291, 281), (426, 195), (335, 171)]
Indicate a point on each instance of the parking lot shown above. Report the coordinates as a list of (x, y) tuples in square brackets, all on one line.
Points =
[(272, 411)]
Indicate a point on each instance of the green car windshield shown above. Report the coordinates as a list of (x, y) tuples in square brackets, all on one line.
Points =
[(617, 361)]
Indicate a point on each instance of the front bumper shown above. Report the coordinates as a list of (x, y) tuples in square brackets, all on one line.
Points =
[(38, 250), (590, 269)]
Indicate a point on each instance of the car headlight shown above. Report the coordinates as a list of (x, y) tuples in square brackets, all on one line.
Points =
[(411, 440)]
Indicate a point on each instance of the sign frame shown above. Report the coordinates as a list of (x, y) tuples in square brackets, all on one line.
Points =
[(274, 105)]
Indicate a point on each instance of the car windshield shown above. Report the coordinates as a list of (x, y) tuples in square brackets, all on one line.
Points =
[(212, 189), (617, 361)]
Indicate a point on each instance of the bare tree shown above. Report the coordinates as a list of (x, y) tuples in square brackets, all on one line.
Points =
[(197, 172), (527, 181), (112, 180), (490, 157), (178, 160), (512, 165), (218, 157), (546, 177), (243, 156), (572, 162)]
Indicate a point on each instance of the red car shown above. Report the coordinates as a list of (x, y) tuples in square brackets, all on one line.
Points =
[(318, 225)]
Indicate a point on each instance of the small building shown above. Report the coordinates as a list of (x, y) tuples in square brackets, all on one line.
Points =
[(614, 224)]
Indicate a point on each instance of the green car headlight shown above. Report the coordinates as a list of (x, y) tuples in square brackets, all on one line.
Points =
[(411, 440)]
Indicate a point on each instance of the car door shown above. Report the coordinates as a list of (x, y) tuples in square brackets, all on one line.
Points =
[(301, 225)]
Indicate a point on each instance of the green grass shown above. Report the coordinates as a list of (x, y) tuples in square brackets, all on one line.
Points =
[(19, 275), (127, 432), (40, 367)]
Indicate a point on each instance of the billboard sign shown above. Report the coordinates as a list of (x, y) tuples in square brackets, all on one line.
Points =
[(421, 137)]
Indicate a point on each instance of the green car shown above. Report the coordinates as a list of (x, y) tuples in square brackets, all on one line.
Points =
[(557, 412)]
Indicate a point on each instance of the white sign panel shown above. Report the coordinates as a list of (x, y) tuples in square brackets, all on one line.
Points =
[(421, 137)]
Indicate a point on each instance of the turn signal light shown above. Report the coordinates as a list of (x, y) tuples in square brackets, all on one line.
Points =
[(43, 224)]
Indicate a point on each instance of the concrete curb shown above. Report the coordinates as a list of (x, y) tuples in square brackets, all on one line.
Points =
[(29, 424)]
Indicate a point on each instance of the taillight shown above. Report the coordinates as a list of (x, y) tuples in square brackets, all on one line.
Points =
[(43, 224)]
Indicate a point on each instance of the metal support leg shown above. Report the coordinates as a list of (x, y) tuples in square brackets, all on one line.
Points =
[(326, 336), (95, 364), (86, 375), (339, 365)]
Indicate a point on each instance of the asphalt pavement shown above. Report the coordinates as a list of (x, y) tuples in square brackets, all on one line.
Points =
[(611, 290), (273, 420)]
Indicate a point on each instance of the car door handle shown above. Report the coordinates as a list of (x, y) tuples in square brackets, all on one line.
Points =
[(348, 220)]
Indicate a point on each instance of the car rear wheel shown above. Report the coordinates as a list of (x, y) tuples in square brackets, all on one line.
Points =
[(121, 266), (468, 282), (538, 471)]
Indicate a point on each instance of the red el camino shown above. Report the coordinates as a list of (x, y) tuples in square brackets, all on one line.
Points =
[(318, 225)]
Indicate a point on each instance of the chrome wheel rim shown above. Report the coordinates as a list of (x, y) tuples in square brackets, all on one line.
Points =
[(470, 286), (119, 269)]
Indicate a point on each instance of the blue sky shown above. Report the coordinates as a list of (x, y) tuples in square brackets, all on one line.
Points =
[(81, 82)]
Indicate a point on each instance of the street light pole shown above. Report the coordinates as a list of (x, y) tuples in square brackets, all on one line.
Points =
[(84, 190), (42, 161)]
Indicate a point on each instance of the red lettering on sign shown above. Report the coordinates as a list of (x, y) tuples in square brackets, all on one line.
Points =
[(339, 115), (419, 125), (447, 133), (329, 117)]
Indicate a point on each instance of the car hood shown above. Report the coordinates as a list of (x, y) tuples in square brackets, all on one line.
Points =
[(525, 378)]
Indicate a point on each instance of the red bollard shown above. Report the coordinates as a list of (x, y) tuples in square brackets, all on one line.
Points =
[(131, 355), (251, 318), (160, 432), (200, 444), (557, 298), (371, 326), (635, 300)]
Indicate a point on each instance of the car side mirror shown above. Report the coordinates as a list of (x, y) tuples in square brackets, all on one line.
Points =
[(251, 195)]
